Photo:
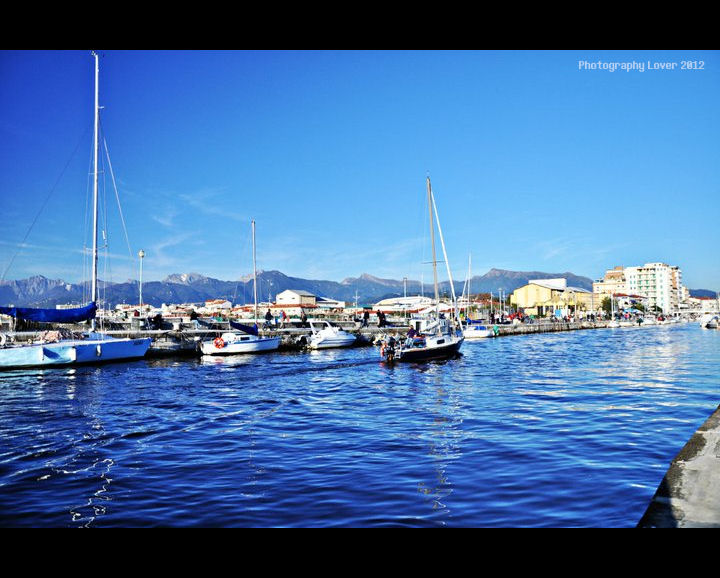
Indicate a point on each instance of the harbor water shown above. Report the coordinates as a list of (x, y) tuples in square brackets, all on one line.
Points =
[(569, 429)]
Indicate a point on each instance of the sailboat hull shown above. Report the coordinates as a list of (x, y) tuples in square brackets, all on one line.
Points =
[(72, 352), (446, 347), (231, 344)]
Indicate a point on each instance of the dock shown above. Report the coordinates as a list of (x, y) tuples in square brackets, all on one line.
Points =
[(689, 494), (182, 338)]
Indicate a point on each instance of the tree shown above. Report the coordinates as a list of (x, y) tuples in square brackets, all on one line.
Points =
[(606, 305)]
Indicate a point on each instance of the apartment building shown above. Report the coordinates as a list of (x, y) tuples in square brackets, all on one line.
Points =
[(612, 284), (660, 285)]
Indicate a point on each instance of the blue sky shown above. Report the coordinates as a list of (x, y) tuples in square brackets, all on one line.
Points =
[(537, 161)]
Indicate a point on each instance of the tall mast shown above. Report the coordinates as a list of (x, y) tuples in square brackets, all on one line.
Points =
[(432, 242), (254, 271), (447, 263), (94, 290)]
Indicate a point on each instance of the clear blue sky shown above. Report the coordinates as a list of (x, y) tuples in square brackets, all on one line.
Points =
[(537, 163)]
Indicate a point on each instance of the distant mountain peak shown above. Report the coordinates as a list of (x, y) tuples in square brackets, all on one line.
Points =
[(368, 278), (184, 278)]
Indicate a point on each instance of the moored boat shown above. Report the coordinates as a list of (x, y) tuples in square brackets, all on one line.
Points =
[(54, 349), (326, 336), (230, 343), (247, 339)]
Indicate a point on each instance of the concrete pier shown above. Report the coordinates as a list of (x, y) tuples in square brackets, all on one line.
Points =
[(689, 494)]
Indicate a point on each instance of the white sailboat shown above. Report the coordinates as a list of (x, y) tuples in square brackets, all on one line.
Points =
[(52, 349), (474, 328), (247, 339), (441, 337)]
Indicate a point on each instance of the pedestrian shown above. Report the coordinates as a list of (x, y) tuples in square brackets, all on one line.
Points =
[(366, 317)]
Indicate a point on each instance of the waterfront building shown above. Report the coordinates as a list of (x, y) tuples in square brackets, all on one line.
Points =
[(411, 304), (325, 304), (661, 284), (544, 297), (653, 284), (295, 298), (613, 283), (216, 307)]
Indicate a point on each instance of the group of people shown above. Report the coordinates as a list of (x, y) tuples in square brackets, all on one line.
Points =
[(270, 320), (382, 320)]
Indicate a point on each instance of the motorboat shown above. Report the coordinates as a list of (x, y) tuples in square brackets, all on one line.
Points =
[(477, 330), (710, 321), (325, 336)]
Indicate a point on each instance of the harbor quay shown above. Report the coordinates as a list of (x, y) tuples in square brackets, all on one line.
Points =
[(178, 337)]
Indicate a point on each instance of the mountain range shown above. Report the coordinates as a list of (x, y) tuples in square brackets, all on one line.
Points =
[(39, 291)]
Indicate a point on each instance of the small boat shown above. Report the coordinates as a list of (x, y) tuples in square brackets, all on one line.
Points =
[(53, 348), (710, 321), (477, 330), (326, 335), (434, 336), (443, 342), (473, 328), (247, 339)]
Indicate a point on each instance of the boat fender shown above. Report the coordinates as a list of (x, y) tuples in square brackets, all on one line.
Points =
[(3, 339), (382, 350), (219, 343)]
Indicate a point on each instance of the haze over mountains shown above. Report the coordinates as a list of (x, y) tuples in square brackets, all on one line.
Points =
[(38, 291)]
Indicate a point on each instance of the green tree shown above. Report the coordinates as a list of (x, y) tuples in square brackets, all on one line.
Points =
[(606, 305)]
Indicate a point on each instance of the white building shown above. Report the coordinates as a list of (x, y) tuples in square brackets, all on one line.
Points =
[(295, 298), (661, 284)]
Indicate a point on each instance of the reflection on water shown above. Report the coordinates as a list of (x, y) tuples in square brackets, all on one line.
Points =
[(564, 429)]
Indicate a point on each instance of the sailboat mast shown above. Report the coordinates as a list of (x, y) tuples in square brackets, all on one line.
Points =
[(94, 289), (254, 271), (432, 242)]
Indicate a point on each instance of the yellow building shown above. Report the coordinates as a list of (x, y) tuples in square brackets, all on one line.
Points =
[(544, 297)]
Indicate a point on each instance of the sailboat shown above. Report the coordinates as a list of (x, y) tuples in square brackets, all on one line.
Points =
[(247, 338), (436, 336), (474, 328), (54, 350)]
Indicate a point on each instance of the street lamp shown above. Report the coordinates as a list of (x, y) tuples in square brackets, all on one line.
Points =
[(141, 254)]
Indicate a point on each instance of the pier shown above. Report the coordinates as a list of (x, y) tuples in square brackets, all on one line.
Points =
[(689, 494)]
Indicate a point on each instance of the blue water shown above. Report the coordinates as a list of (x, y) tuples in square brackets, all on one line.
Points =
[(564, 429)]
